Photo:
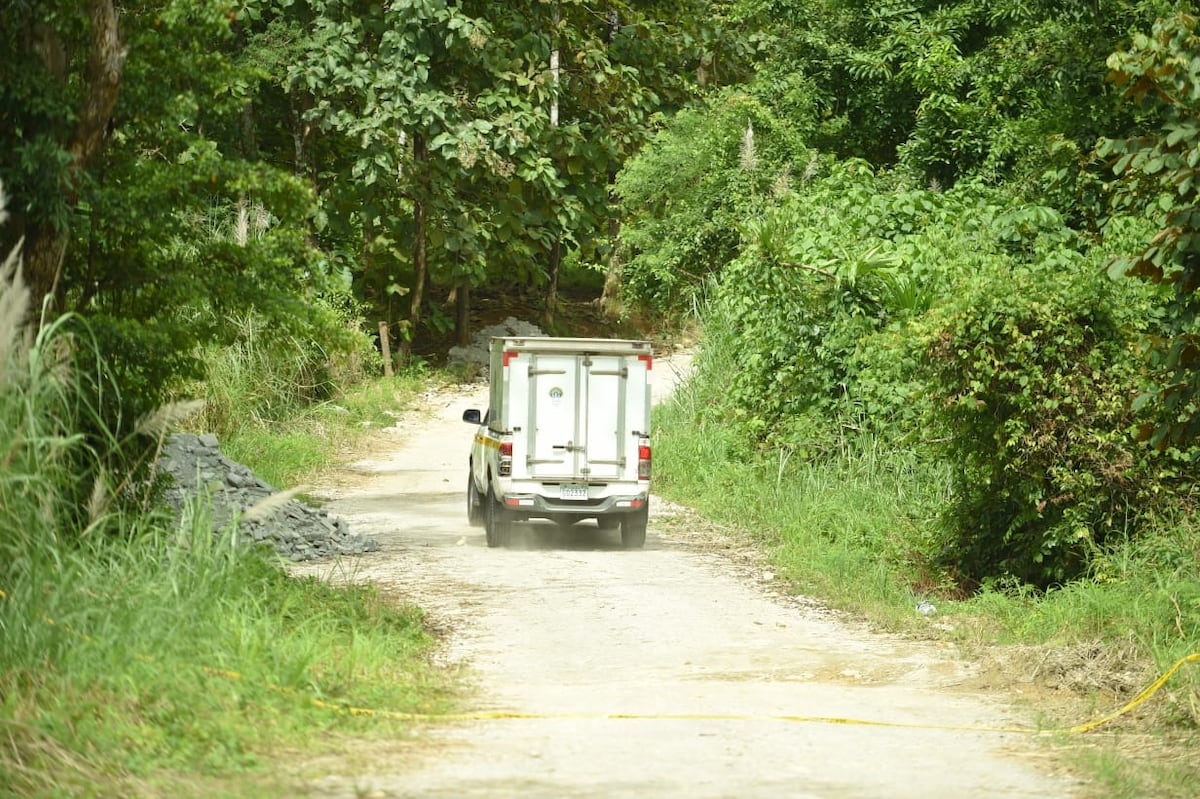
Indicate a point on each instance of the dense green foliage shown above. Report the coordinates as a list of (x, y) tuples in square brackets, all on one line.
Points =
[(1030, 369), (694, 184), (461, 144), (183, 172), (167, 230), (950, 325), (181, 167), (948, 90), (1160, 171), (936, 279), (188, 172), (910, 227)]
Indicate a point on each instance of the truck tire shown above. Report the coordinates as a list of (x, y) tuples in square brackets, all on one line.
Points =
[(633, 530), (496, 523), (474, 503)]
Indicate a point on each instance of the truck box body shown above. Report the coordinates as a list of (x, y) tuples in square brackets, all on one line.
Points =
[(575, 407), (569, 419)]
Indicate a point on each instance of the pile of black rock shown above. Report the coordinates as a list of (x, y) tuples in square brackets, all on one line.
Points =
[(297, 531)]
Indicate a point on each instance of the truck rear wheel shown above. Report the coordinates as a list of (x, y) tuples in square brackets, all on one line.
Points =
[(633, 530), (474, 503), (496, 523)]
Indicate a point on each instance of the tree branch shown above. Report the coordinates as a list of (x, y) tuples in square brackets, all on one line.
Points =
[(818, 270)]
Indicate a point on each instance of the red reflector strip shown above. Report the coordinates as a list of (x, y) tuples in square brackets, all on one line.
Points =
[(513, 502), (649, 361), (506, 357), (637, 503)]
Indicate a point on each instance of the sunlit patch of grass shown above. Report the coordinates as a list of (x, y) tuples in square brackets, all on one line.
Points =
[(298, 448), (257, 402)]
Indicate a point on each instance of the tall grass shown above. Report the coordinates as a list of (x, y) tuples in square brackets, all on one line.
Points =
[(138, 656), (123, 665), (288, 409), (850, 529), (858, 528)]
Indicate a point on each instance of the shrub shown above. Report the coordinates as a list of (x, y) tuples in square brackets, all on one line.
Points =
[(689, 189), (1032, 365), (826, 276)]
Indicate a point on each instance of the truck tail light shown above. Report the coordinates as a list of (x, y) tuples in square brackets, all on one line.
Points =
[(506, 459), (644, 459)]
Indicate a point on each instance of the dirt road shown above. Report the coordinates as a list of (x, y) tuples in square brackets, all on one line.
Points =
[(571, 626)]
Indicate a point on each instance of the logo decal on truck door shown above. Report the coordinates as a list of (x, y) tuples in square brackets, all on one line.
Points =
[(556, 395)]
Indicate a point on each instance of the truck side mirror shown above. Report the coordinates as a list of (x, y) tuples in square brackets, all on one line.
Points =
[(472, 416)]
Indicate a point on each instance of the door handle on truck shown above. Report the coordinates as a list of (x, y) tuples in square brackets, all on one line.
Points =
[(569, 446)]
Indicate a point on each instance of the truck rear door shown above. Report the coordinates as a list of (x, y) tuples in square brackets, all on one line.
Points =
[(577, 412)]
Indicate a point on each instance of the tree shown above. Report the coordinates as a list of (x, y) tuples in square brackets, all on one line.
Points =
[(123, 144), (441, 114), (1010, 91), (1159, 174), (689, 191), (60, 110)]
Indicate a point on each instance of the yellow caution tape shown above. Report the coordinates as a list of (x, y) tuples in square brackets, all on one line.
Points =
[(489, 715), (1149, 691), (1087, 726)]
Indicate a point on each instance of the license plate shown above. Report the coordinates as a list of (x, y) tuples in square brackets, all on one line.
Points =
[(573, 492)]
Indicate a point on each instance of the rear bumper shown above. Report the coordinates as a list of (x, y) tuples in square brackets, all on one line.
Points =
[(525, 506)]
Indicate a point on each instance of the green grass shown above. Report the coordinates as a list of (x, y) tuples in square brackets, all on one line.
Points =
[(145, 656), (850, 529), (121, 666), (276, 426)]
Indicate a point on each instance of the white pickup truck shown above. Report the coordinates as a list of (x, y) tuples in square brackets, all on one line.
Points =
[(566, 436)]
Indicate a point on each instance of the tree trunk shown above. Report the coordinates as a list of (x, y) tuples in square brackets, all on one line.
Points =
[(552, 290), (462, 315), (249, 121), (249, 133), (385, 349), (299, 132), (610, 297), (45, 249), (420, 256), (45, 245)]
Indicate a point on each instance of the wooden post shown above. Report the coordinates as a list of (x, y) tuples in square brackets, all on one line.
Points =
[(462, 315), (385, 349)]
